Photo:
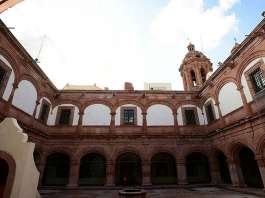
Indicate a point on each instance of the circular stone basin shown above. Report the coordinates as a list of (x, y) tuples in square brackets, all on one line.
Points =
[(132, 193)]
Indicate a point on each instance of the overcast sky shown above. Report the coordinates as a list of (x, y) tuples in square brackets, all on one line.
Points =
[(108, 42)]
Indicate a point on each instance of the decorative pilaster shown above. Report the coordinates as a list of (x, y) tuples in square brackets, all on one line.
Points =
[(146, 167), (73, 174), (181, 172), (110, 173)]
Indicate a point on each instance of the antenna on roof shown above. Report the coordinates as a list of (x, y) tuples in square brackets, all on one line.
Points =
[(41, 46)]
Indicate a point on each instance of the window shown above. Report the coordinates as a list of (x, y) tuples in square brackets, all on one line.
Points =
[(255, 78), (65, 116), (209, 112), (128, 116), (190, 115), (44, 112), (4, 76), (258, 80)]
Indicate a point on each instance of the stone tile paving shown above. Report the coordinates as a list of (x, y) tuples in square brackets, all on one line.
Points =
[(199, 192)]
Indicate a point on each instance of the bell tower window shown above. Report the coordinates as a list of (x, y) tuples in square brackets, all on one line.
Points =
[(203, 75), (193, 78)]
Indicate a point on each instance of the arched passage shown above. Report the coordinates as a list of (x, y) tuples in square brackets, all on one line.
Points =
[(4, 170), (92, 170), (163, 169), (223, 167), (128, 170), (249, 167), (56, 170), (197, 167)]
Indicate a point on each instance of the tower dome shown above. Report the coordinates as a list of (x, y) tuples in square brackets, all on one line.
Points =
[(194, 68)]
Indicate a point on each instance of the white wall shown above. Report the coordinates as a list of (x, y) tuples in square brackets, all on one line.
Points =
[(159, 115), (139, 115), (244, 81), (229, 98), (10, 81), (53, 114), (199, 111), (215, 108), (96, 114), (25, 97), (40, 104)]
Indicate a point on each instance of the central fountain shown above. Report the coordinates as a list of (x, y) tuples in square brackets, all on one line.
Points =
[(132, 193)]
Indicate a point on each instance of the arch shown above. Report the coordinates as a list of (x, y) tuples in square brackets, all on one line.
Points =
[(163, 169), (25, 90), (224, 81), (244, 157), (13, 63), (98, 101), (97, 114), (160, 115), (32, 80), (249, 168), (138, 117), (245, 62), (56, 171), (66, 102), (92, 170), (197, 168), (128, 169), (125, 102), (229, 98), (6, 180)]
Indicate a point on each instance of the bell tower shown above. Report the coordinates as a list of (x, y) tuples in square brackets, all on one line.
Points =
[(194, 69)]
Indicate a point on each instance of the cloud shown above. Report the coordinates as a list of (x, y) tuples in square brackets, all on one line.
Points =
[(189, 19), (110, 41)]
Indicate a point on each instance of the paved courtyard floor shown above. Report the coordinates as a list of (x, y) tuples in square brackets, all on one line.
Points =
[(201, 192)]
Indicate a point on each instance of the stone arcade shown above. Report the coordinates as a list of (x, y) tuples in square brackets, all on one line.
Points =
[(213, 132)]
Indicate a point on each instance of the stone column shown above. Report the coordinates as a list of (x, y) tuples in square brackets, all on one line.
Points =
[(35, 109), (181, 172), (10, 99), (235, 174), (247, 108), (110, 173), (215, 171), (80, 120), (198, 76), (144, 121), (112, 121), (261, 163), (217, 103), (73, 174), (176, 126), (146, 168)]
